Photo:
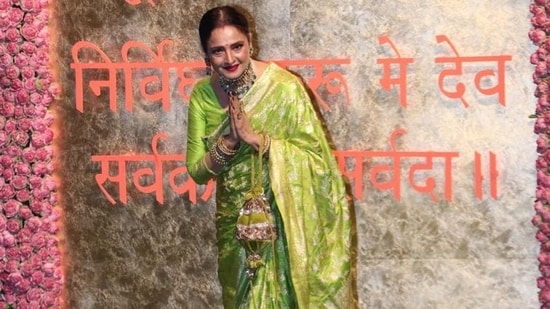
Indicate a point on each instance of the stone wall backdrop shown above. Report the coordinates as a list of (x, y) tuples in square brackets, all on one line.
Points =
[(467, 243)]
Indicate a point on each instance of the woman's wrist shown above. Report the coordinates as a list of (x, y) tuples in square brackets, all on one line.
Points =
[(230, 142)]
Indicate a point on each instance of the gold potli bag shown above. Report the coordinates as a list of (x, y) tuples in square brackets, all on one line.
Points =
[(255, 224)]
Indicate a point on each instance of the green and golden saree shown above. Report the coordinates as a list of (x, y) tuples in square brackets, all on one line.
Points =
[(308, 265)]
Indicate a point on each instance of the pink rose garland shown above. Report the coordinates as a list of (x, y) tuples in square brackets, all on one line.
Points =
[(540, 36), (30, 259)]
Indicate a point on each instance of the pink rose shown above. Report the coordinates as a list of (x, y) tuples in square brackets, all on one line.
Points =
[(40, 125), (29, 31), (12, 72), (20, 138), (12, 266), (9, 96), (537, 36), (5, 4), (23, 195), (542, 193), (49, 283), (28, 72), (534, 58), (542, 144), (48, 300), (14, 278), (13, 253), (52, 242), (11, 208), (6, 161), (38, 140), (16, 84), (22, 168), (23, 285), (29, 5), (29, 155), (40, 111), (13, 151), (36, 262), (3, 221), (46, 210), (543, 179), (24, 124), (539, 20), (37, 277), (12, 35), (38, 240), (34, 294), (25, 212), (21, 97), (29, 83), (24, 236), (4, 138), (35, 181), (36, 206), (53, 198), (7, 192), (15, 16), (47, 99), (28, 48), (18, 112), (8, 174), (13, 225), (544, 296), (21, 60), (44, 153), (36, 98), (39, 168), (545, 214), (19, 182), (53, 251), (35, 304), (540, 126), (46, 224), (541, 237), (5, 60), (8, 109), (544, 258), (12, 48), (48, 269), (33, 224), (30, 109), (26, 252)]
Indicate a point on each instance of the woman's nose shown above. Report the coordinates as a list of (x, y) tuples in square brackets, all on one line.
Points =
[(229, 57)]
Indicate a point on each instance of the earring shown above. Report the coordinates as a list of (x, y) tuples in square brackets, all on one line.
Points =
[(208, 67), (251, 51)]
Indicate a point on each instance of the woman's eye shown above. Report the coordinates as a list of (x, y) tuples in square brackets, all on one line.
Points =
[(238, 47)]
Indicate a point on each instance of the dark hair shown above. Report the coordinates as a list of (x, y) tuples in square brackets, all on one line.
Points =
[(219, 17)]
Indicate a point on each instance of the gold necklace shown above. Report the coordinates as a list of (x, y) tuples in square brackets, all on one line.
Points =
[(239, 86)]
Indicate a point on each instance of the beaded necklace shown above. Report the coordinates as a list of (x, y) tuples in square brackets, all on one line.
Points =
[(240, 85)]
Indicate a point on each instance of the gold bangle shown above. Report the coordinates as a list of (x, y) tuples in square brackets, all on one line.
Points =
[(207, 168), (224, 148), (217, 157)]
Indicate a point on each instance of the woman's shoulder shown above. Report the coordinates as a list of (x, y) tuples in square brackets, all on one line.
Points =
[(202, 84), (281, 74)]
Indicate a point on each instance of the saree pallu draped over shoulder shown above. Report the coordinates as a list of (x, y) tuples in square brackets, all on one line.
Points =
[(309, 263)]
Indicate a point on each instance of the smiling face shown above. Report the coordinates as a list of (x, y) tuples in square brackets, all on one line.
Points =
[(228, 50)]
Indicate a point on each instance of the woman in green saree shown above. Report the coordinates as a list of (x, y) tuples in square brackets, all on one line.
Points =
[(253, 128)]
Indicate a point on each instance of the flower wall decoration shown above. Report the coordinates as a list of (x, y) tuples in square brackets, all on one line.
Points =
[(31, 275), (539, 35)]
